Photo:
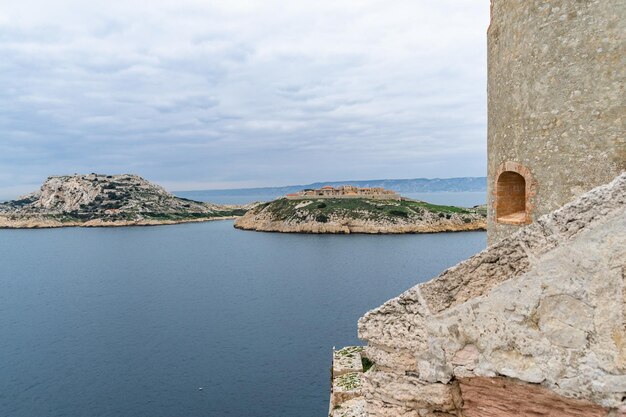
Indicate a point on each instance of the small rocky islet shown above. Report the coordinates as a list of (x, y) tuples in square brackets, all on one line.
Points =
[(97, 200), (385, 213)]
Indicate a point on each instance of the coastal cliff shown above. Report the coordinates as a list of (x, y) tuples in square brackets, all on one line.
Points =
[(106, 200), (359, 215)]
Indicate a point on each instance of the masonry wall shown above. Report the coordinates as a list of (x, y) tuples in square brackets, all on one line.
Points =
[(535, 325), (556, 98), (346, 196)]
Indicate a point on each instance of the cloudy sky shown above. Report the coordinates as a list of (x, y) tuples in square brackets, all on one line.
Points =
[(200, 94)]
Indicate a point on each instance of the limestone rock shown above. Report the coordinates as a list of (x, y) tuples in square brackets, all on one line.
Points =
[(351, 408), (408, 392), (346, 398), (541, 314), (347, 360), (105, 200)]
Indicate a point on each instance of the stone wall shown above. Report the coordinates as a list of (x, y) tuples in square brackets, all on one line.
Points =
[(534, 325), (395, 197), (556, 98)]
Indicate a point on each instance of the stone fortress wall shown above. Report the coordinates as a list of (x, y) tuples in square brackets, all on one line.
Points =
[(556, 102), (535, 325), (345, 191)]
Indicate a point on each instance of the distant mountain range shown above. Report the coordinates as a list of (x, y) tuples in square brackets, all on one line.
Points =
[(415, 185)]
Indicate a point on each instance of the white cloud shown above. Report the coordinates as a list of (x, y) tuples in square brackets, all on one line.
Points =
[(192, 92)]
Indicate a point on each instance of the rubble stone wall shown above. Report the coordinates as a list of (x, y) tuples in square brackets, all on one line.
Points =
[(540, 314)]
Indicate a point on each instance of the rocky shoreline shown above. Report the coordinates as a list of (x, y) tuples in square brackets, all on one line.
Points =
[(320, 217), (350, 226), (36, 223)]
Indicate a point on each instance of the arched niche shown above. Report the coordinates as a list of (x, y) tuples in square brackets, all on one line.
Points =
[(513, 190)]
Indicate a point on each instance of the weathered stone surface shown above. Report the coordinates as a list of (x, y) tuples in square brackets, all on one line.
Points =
[(543, 325), (557, 71), (398, 359), (475, 276), (388, 325), (382, 409), (504, 397), (346, 387), (565, 320), (408, 392), (510, 257), (559, 322), (347, 360), (467, 357), (346, 398), (352, 408)]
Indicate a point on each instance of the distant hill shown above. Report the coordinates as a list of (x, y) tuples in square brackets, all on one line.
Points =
[(105, 200), (359, 215), (416, 185)]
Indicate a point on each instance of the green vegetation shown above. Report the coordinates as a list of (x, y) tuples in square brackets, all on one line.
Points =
[(367, 363), (350, 381), (83, 216), (399, 213), (23, 202), (349, 351), (321, 218), (393, 211)]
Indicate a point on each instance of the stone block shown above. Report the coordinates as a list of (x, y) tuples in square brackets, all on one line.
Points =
[(351, 408), (408, 392), (400, 360), (505, 397), (347, 360), (346, 387)]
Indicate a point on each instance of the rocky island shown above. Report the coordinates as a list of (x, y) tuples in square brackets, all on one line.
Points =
[(353, 210), (96, 200)]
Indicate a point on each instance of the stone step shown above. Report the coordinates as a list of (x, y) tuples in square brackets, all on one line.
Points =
[(352, 408)]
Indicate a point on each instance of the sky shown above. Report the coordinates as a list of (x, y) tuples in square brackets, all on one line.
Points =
[(208, 94)]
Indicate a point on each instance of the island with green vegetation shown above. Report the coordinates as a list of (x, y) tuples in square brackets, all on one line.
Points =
[(377, 214), (96, 200)]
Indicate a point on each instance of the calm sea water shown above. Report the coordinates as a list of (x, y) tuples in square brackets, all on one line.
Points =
[(131, 322)]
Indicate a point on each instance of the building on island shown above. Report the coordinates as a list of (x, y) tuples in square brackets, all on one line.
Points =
[(345, 191)]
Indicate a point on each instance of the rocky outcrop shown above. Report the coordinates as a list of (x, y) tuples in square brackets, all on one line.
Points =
[(360, 216), (105, 200), (535, 325), (43, 222)]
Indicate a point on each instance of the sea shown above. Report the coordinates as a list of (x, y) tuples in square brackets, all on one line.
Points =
[(194, 320)]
